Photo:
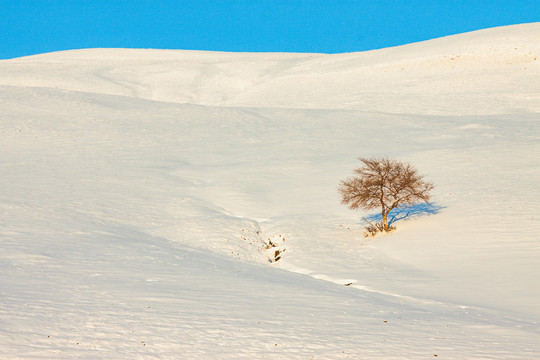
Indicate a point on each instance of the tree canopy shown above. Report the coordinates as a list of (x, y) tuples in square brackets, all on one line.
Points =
[(386, 184)]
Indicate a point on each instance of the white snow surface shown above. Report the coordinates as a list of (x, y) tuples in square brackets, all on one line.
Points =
[(139, 188)]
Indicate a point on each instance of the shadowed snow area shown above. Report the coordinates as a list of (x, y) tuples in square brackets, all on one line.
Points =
[(140, 189)]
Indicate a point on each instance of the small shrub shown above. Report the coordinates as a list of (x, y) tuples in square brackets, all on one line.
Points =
[(373, 228)]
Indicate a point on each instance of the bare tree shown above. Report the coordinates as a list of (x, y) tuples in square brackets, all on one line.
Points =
[(386, 184)]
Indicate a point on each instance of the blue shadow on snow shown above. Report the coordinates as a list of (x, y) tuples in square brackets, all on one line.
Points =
[(408, 212)]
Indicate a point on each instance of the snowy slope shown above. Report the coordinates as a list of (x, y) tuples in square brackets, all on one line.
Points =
[(138, 189), (476, 73)]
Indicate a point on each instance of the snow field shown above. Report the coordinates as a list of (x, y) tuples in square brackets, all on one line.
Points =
[(140, 188)]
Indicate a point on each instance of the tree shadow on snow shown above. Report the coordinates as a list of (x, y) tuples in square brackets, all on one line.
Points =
[(408, 212)]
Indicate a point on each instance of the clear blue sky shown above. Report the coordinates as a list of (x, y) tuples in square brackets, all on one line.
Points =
[(330, 26)]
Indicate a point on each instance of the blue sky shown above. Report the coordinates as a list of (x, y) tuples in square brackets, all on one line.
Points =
[(330, 26)]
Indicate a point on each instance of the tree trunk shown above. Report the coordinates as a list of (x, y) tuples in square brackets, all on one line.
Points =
[(385, 220)]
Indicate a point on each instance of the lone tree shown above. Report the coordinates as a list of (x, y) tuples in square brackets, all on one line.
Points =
[(386, 184)]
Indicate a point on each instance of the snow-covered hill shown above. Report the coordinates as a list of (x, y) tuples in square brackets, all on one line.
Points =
[(485, 72), (139, 188)]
